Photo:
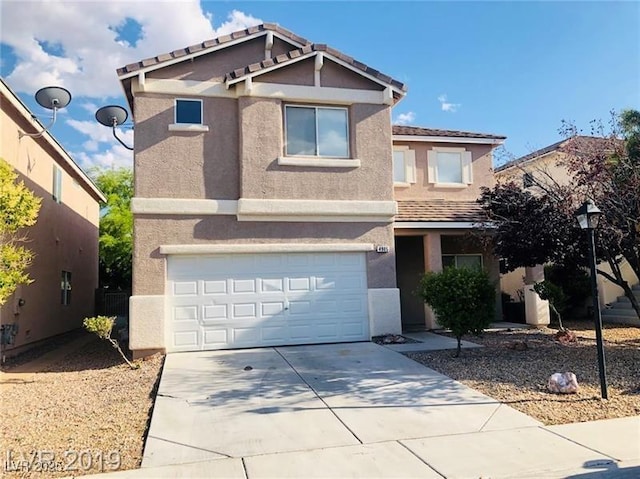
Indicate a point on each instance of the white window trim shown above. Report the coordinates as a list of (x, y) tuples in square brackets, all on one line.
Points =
[(409, 166), (317, 156), (318, 162), (432, 167), (187, 126)]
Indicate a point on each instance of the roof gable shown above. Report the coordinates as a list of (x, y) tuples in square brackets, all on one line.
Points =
[(208, 46)]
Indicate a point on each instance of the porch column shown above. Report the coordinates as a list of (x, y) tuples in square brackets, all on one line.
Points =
[(432, 262), (536, 309)]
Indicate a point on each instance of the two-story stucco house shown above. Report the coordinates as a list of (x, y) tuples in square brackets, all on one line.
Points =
[(265, 198), (64, 239)]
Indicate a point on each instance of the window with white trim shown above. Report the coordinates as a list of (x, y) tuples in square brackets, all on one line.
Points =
[(404, 165), (528, 180), (65, 288), (469, 261), (57, 184), (188, 112), (316, 131), (450, 166)]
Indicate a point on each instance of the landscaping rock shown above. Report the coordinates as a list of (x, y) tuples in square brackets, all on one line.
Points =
[(563, 383), (566, 336)]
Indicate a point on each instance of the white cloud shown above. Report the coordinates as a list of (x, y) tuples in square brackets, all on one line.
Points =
[(99, 135), (405, 118), (115, 157), (447, 106), (85, 33)]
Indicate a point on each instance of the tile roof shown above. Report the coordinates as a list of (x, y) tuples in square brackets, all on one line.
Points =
[(264, 27), (572, 144), (419, 131), (214, 42), (315, 47), (440, 210)]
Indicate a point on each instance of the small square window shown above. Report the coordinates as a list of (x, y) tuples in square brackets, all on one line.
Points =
[(404, 166), (65, 288), (189, 112), (450, 166)]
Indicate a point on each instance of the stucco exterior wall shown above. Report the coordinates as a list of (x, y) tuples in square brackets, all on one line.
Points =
[(262, 142), (65, 238), (482, 167), (152, 231), (550, 165), (214, 66), (172, 164)]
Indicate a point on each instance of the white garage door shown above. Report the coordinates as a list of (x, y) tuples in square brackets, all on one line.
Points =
[(247, 300)]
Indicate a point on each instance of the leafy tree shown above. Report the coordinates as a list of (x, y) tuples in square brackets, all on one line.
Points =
[(463, 299), (116, 227), (539, 227), (19, 209)]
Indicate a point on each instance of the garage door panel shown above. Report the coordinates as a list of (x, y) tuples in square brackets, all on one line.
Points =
[(214, 287), (235, 301)]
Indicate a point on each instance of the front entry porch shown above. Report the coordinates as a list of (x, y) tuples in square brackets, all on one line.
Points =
[(418, 251)]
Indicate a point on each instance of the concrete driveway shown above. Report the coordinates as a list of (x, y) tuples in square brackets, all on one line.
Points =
[(350, 410)]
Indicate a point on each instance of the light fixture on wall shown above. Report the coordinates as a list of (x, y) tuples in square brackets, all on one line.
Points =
[(52, 98), (113, 115)]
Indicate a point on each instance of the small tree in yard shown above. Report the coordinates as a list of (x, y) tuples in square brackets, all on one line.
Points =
[(102, 326), (554, 295), (18, 209), (463, 300)]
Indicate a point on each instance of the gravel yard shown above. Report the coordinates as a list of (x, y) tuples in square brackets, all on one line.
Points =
[(519, 377), (85, 413)]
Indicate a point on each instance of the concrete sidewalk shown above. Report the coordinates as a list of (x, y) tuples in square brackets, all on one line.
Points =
[(357, 410)]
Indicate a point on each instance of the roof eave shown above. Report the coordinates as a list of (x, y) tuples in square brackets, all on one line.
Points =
[(449, 139)]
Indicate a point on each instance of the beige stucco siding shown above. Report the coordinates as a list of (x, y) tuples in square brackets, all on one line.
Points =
[(336, 76), (153, 231), (482, 171), (172, 164), (262, 142), (299, 73), (214, 66), (65, 238)]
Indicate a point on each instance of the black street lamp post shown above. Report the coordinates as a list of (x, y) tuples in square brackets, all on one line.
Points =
[(588, 216)]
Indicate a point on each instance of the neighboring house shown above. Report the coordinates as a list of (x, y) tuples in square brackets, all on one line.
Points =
[(264, 197), (64, 239), (437, 178), (544, 166)]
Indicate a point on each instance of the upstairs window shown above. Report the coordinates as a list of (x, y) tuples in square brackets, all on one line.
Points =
[(57, 184), (450, 167), (188, 112), (316, 131), (65, 288), (404, 166)]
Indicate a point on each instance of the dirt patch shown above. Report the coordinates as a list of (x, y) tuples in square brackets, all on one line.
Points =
[(83, 415), (392, 339), (518, 375)]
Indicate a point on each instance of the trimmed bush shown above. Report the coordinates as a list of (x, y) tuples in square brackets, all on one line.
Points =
[(102, 326), (462, 299)]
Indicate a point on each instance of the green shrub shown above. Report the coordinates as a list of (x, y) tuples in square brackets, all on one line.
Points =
[(574, 282), (102, 326), (462, 299)]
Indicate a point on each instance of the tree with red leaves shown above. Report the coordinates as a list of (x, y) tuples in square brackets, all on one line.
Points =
[(538, 226)]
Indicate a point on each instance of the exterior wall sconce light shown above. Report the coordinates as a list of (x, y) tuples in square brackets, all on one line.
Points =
[(588, 216), (52, 98), (113, 115)]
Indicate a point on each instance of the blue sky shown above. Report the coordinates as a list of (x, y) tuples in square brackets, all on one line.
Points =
[(512, 68)]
